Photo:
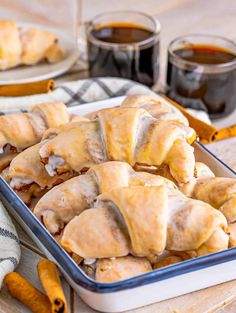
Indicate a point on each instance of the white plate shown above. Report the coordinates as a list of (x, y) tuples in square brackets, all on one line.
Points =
[(26, 74)]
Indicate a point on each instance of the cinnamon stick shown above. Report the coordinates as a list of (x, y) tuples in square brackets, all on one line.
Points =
[(205, 131), (49, 277), (26, 293), (225, 133), (26, 89)]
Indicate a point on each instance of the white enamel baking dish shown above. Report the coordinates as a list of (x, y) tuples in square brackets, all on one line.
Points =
[(142, 290)]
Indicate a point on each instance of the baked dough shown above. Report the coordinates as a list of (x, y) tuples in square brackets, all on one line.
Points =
[(64, 202), (27, 174), (27, 46), (10, 45), (21, 130), (131, 220), (123, 134), (38, 45)]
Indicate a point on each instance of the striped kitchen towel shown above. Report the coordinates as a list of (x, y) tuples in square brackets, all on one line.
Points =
[(9, 244), (84, 91), (77, 92)]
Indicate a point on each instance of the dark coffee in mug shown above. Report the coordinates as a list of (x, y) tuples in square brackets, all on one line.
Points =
[(140, 64), (203, 77), (126, 50)]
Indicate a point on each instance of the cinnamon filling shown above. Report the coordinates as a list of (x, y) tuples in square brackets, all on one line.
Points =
[(56, 223), (7, 148), (23, 188)]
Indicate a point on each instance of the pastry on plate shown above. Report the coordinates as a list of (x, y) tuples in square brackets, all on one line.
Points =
[(38, 45), (10, 45), (20, 46)]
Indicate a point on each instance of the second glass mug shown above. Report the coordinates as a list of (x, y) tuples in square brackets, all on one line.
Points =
[(124, 44), (201, 73)]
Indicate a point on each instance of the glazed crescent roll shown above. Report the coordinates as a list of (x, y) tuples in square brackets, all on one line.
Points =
[(123, 134), (156, 107), (153, 105), (131, 220), (27, 174), (53, 113), (67, 200), (220, 192), (16, 130), (63, 202), (82, 148), (22, 130), (53, 132), (10, 45)]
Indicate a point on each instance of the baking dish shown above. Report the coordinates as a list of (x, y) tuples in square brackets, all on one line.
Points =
[(141, 290)]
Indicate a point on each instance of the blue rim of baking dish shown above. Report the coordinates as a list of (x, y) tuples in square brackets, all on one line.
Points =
[(79, 277)]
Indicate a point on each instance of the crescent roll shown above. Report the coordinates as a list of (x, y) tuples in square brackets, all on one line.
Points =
[(156, 107), (153, 105), (74, 149), (123, 134), (220, 192), (130, 220), (10, 45), (27, 174), (53, 113), (67, 200), (53, 132), (27, 46), (21, 130), (38, 45)]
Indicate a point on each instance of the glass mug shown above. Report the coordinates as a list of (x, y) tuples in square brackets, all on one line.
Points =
[(201, 73), (124, 44)]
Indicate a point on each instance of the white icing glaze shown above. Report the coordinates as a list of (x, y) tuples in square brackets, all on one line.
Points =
[(53, 163), (17, 182), (51, 221), (89, 261)]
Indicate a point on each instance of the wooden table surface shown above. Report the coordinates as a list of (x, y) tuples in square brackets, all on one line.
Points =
[(177, 17)]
